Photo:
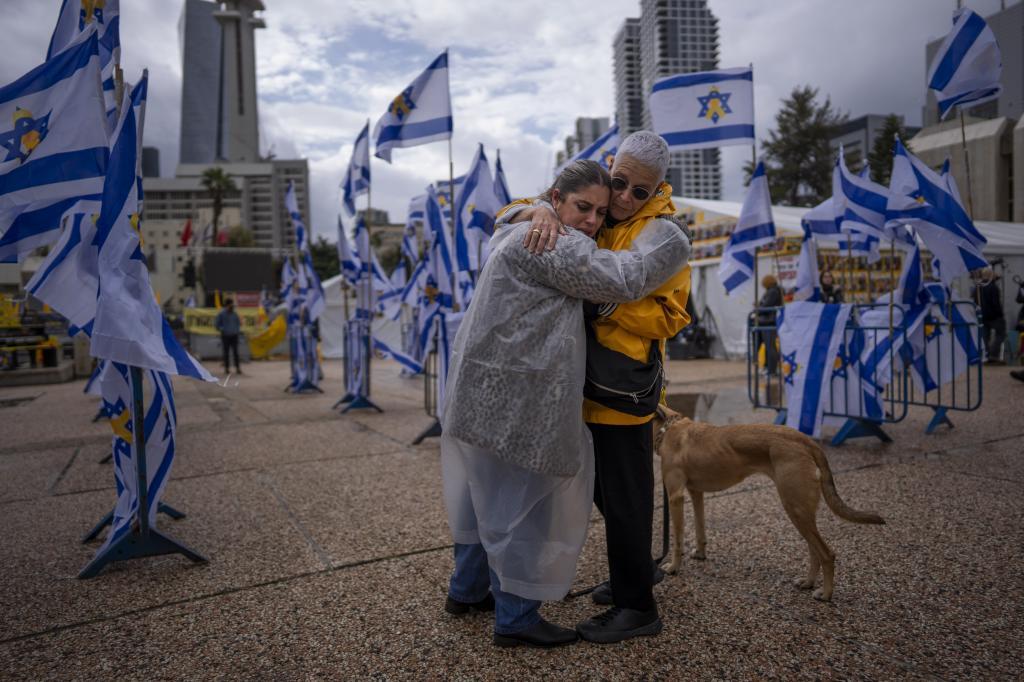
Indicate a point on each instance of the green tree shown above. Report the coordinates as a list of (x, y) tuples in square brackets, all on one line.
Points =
[(239, 236), (325, 258), (219, 184), (880, 157), (798, 155)]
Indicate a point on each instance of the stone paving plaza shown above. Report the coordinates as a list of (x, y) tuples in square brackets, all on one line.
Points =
[(329, 551)]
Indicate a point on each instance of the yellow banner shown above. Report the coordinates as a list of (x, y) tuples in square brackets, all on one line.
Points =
[(9, 313), (201, 321), (261, 343)]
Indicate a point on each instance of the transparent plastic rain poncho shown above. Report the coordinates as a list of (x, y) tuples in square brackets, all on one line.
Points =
[(517, 459)]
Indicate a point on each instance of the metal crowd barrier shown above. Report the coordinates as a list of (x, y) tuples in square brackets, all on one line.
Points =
[(848, 399)]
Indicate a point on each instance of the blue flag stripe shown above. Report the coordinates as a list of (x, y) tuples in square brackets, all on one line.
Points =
[(685, 80), (751, 233), (50, 73), (411, 131), (708, 135), (60, 167), (816, 367), (965, 38)]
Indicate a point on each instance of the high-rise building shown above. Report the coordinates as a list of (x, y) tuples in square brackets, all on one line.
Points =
[(629, 96), (1008, 27), (588, 130), (219, 118), (681, 36), (857, 138)]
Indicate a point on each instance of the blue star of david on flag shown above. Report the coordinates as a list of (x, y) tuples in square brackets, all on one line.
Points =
[(789, 367), (26, 135), (714, 105)]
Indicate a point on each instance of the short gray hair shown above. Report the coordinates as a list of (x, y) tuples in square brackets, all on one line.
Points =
[(649, 149)]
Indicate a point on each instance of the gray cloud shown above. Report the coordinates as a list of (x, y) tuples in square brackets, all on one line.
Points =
[(521, 73)]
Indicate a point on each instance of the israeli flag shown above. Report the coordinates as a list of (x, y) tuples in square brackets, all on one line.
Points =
[(440, 265), (809, 339), (408, 363), (287, 281), (474, 216), (501, 184), (348, 261), (923, 199), (706, 109), (602, 150), (357, 177), (808, 283), (420, 114), (316, 301), (54, 146), (754, 228), (78, 17), (410, 241), (860, 202), (129, 326), (950, 344), (968, 67), (291, 204), (160, 425)]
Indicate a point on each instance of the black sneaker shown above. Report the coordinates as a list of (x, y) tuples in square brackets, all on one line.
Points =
[(543, 634), (602, 594), (618, 624), (461, 608)]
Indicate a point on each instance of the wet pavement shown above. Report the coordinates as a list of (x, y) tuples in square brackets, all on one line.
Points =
[(329, 552)]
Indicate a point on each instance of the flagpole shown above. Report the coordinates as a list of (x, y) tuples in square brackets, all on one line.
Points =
[(753, 156), (451, 213)]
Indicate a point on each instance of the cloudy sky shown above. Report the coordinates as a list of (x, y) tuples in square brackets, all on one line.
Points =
[(521, 72)]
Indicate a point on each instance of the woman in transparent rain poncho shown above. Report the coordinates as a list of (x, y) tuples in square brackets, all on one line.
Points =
[(517, 460)]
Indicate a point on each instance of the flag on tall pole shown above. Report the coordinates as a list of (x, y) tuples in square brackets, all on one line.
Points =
[(474, 215), (501, 184), (706, 109), (967, 69), (754, 228), (79, 16), (602, 150), (357, 177), (419, 114), (53, 146)]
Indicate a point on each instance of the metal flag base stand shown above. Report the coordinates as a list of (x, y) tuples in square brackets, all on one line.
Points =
[(140, 540), (360, 403), (856, 427), (432, 431), (303, 388), (109, 518), (938, 419), (347, 398)]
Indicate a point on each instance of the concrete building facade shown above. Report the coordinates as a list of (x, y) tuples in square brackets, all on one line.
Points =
[(681, 36), (857, 138), (629, 95)]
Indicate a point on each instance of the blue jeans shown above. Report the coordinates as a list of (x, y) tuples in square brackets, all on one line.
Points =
[(473, 578)]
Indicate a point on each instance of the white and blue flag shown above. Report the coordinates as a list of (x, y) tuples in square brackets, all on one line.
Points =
[(968, 67), (357, 177), (474, 216), (754, 228), (420, 114), (501, 184), (410, 241), (706, 109), (129, 326), (809, 338), (76, 18), (407, 362), (53, 146), (602, 150), (159, 427), (949, 344), (926, 201), (291, 204), (347, 260), (808, 283)]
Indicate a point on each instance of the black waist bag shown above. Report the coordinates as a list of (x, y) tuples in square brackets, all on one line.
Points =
[(618, 381)]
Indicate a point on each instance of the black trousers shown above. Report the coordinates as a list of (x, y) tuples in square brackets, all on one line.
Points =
[(624, 494), (229, 342)]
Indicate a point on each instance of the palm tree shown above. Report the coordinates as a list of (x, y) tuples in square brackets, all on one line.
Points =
[(218, 184)]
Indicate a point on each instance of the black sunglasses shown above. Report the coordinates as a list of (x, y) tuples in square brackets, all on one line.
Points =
[(640, 193)]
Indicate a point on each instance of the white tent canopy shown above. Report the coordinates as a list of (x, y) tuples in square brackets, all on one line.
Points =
[(1005, 241)]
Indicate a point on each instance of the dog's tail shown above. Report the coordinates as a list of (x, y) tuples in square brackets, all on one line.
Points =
[(832, 499)]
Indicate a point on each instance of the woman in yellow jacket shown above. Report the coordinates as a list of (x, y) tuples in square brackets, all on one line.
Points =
[(624, 370)]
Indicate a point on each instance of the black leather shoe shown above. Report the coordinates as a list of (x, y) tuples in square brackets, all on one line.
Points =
[(543, 634), (461, 608), (602, 594), (618, 624)]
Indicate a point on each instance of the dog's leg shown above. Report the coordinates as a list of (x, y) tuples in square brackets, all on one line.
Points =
[(698, 522), (799, 495), (675, 483)]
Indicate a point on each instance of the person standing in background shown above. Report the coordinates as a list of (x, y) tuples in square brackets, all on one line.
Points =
[(229, 325)]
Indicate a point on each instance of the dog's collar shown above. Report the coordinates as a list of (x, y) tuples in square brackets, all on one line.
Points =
[(664, 427)]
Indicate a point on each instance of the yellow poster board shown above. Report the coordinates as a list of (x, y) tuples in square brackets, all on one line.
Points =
[(201, 321), (9, 316), (264, 341)]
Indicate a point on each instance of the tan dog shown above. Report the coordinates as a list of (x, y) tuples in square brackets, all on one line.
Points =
[(702, 458)]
